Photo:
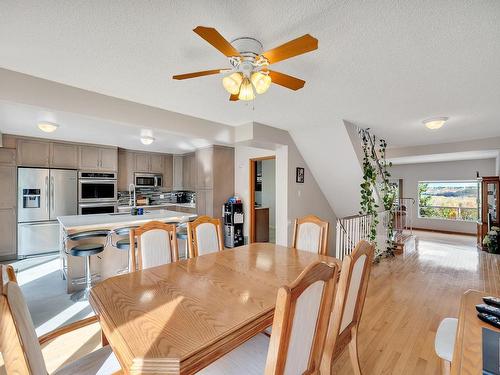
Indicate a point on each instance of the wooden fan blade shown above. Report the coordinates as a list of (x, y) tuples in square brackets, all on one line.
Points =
[(287, 81), (303, 44), (233, 98), (198, 74), (213, 37)]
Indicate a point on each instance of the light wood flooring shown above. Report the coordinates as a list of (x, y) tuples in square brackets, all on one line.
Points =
[(407, 298)]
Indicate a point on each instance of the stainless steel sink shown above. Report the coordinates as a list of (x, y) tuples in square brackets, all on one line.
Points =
[(119, 213)]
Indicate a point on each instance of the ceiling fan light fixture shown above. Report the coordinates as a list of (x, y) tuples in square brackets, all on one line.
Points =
[(435, 122), (47, 127), (261, 82), (232, 83), (246, 90)]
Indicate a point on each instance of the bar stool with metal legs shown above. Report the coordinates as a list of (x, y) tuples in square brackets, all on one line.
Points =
[(123, 244), (86, 250)]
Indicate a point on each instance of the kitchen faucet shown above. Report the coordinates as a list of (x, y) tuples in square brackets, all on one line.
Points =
[(132, 196)]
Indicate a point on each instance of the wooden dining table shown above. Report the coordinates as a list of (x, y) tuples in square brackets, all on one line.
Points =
[(180, 317), (468, 350)]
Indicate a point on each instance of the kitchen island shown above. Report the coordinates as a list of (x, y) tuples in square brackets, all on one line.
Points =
[(111, 260)]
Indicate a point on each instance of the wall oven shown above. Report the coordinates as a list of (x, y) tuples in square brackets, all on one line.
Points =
[(97, 208), (150, 180), (97, 187)]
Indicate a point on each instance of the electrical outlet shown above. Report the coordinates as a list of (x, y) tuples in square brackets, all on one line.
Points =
[(162, 196)]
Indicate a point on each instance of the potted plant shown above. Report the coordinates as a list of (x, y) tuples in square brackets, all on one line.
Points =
[(491, 240)]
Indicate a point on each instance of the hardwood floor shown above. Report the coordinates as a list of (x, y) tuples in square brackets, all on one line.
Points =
[(407, 298), (409, 295)]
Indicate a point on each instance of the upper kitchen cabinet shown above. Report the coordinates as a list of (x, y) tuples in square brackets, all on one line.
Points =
[(64, 155), (142, 162), (204, 159), (33, 153), (126, 166), (156, 163), (168, 171), (8, 156), (189, 171), (98, 158)]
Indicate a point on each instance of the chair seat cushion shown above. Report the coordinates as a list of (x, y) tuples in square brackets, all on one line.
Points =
[(86, 249), (249, 358), (445, 338), (100, 362)]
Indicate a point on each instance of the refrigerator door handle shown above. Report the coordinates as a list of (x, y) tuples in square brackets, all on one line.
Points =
[(52, 195), (47, 193)]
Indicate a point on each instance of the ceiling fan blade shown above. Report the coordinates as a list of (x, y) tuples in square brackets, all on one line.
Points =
[(213, 37), (198, 74), (233, 98), (305, 43), (287, 81)]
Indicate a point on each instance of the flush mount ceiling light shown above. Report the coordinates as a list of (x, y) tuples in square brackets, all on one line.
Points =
[(147, 140), (435, 122), (47, 127), (249, 73)]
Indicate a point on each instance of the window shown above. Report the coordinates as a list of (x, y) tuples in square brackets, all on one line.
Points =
[(451, 200)]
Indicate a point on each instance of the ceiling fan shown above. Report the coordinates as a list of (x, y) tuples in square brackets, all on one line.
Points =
[(250, 71)]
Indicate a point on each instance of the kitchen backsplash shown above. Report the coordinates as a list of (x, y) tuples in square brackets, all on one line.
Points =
[(157, 196)]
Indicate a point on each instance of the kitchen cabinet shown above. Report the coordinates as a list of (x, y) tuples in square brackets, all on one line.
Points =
[(188, 172), (204, 203), (33, 153), (168, 172), (204, 159), (126, 167), (63, 155), (177, 172), (8, 233), (8, 186), (156, 163), (98, 158), (8, 156), (142, 162)]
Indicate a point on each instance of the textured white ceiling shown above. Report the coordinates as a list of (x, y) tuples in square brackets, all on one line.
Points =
[(382, 64)]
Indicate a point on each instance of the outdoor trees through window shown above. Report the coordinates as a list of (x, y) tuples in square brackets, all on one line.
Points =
[(452, 200)]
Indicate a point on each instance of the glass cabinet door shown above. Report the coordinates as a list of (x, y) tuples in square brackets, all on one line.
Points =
[(492, 194)]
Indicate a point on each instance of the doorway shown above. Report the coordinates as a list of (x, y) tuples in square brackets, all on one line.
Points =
[(263, 199)]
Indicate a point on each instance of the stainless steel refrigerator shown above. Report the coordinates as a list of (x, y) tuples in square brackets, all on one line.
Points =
[(43, 195)]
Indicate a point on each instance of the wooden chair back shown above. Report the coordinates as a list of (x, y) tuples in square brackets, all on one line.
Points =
[(19, 344), (301, 321), (349, 301), (204, 236), (310, 233), (156, 245)]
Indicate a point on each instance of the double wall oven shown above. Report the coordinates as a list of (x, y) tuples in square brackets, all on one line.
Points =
[(97, 193)]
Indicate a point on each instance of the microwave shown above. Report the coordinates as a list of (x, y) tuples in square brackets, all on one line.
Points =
[(149, 180)]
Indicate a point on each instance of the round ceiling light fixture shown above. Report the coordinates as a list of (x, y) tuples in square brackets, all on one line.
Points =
[(147, 140), (435, 122), (47, 127)]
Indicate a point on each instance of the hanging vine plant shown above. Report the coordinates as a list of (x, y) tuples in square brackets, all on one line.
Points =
[(375, 168)]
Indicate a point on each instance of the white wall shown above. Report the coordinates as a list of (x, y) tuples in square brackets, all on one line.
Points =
[(456, 170)]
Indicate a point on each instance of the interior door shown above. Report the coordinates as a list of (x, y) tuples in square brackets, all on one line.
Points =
[(63, 193), (33, 194)]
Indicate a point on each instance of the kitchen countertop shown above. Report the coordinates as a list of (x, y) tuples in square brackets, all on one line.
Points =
[(186, 205), (109, 221)]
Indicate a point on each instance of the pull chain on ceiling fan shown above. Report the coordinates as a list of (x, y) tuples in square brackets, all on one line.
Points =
[(250, 71)]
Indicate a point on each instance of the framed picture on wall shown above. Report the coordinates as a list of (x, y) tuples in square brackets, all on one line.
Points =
[(299, 175)]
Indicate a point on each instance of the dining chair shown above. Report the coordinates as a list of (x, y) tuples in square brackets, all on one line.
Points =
[(310, 233), (204, 236), (156, 245), (21, 348), (444, 343), (348, 307), (300, 326)]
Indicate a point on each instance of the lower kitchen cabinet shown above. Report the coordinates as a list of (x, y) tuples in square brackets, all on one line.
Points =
[(7, 187), (8, 233)]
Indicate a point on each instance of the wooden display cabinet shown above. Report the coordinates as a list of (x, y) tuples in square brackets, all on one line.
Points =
[(488, 207)]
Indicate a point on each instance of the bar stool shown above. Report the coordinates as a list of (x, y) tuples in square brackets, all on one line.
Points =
[(182, 234), (86, 250), (124, 243)]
